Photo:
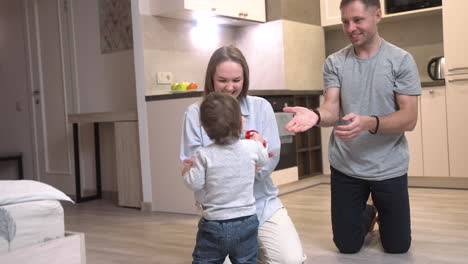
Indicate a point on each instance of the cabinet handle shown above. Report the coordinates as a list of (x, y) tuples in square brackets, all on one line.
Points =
[(241, 14), (246, 14), (213, 9), (431, 91), (458, 73), (458, 68), (458, 80)]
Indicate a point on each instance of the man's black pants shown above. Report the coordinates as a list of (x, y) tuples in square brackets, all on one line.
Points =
[(351, 218)]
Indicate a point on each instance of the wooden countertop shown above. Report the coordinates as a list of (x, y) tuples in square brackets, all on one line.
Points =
[(199, 93), (189, 94), (103, 117)]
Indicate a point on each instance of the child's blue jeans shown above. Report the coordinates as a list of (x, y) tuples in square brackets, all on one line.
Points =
[(234, 237)]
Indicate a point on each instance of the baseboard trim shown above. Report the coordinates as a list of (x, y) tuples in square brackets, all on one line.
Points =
[(413, 182), (146, 207), (438, 182), (303, 184)]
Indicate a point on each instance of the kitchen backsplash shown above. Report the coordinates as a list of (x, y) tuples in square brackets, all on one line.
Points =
[(169, 47)]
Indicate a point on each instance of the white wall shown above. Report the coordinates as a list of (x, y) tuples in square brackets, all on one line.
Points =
[(14, 122), (106, 82)]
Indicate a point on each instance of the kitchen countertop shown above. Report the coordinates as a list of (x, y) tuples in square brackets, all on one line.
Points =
[(188, 94), (103, 117), (433, 83)]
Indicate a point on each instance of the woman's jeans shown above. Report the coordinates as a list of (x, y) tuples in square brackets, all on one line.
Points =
[(234, 237), (351, 218)]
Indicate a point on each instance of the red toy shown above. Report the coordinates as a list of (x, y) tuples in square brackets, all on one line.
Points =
[(249, 135)]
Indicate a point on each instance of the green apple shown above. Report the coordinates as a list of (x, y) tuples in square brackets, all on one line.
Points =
[(179, 86), (183, 85)]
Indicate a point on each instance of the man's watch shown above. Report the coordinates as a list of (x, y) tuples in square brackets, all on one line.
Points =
[(318, 115)]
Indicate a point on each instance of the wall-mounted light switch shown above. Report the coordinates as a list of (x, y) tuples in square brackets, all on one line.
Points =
[(164, 77)]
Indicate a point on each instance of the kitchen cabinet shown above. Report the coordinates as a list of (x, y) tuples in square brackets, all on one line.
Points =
[(428, 142), (414, 139), (248, 10), (455, 36), (294, 53), (243, 9), (308, 143), (330, 13), (456, 76)]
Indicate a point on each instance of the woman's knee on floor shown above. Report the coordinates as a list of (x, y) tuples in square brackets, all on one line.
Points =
[(284, 257), (291, 258)]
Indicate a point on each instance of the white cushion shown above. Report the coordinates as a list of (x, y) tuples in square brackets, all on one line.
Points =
[(19, 191)]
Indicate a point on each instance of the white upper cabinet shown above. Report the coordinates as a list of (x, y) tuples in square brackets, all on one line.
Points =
[(240, 10), (200, 5), (455, 23), (330, 13), (243, 9)]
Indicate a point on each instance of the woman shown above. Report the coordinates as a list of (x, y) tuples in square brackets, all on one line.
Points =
[(228, 72)]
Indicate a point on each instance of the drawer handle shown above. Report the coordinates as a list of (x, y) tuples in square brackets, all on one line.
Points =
[(458, 80), (246, 14), (213, 9), (458, 73), (241, 14), (458, 68)]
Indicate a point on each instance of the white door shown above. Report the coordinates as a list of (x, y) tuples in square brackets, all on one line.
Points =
[(15, 119), (48, 32)]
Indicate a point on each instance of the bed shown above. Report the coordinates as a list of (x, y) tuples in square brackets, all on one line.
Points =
[(32, 226)]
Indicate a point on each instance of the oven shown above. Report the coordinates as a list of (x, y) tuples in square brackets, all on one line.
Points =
[(288, 157)]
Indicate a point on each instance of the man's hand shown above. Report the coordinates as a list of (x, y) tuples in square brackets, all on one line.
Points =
[(303, 119), (351, 130)]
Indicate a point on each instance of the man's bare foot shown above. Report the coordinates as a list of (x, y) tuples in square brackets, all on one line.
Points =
[(375, 220)]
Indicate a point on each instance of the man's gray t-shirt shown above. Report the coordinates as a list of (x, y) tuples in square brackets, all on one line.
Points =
[(368, 87)]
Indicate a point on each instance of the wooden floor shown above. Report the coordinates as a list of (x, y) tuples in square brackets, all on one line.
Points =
[(121, 235)]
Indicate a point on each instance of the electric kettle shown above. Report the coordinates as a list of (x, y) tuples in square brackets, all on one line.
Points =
[(435, 68)]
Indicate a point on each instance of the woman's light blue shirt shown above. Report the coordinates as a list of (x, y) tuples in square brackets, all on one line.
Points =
[(259, 116)]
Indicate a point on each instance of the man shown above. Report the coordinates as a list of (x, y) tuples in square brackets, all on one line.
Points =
[(371, 89)]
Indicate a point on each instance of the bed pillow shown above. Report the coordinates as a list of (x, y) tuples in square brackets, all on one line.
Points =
[(20, 191)]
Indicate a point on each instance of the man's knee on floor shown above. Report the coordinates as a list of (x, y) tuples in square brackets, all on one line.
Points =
[(347, 246), (399, 248)]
